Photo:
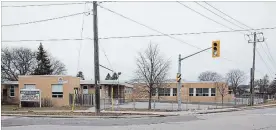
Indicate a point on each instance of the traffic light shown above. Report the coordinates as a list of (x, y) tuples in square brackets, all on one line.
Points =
[(216, 49), (178, 77)]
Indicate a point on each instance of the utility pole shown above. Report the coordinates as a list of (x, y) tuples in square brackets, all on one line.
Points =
[(253, 66), (96, 58), (179, 73)]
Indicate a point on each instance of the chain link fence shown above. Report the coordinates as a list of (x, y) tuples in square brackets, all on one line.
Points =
[(157, 105)]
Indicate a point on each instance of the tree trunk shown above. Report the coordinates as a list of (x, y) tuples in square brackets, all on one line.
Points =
[(150, 92), (222, 101)]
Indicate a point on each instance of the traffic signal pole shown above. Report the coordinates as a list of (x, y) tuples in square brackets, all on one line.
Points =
[(179, 84), (179, 73)]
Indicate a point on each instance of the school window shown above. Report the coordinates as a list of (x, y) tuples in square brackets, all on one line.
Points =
[(164, 91), (199, 92), (12, 91), (154, 92), (29, 86), (191, 91), (205, 92), (174, 91), (57, 91), (213, 91)]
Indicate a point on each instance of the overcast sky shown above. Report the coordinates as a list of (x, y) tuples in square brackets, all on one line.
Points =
[(167, 17)]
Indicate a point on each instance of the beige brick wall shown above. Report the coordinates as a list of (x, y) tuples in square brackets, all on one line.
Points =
[(44, 83), (140, 93)]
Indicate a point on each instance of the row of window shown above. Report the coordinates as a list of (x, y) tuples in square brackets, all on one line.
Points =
[(198, 92), (164, 92), (202, 92), (57, 90)]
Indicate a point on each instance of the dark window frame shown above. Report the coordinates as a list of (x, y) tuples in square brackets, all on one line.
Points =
[(191, 93), (12, 91), (174, 91)]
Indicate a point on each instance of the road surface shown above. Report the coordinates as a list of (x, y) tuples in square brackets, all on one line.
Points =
[(258, 119)]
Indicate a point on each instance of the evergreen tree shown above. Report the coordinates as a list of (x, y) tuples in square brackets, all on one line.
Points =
[(114, 76), (43, 62), (80, 74), (108, 77)]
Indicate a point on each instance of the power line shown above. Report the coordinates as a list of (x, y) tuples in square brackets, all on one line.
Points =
[(107, 68), (269, 58), (147, 26), (218, 15), (106, 57), (204, 15), (234, 24), (17, 6), (155, 30), (81, 38), (140, 36), (43, 40), (227, 15), (45, 20), (268, 68), (270, 53)]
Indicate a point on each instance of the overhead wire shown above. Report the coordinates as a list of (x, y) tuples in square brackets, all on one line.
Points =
[(226, 14), (155, 30), (204, 15), (45, 20), (269, 58), (218, 15), (208, 17), (17, 6), (240, 27), (81, 35), (268, 68), (269, 52), (141, 36), (106, 58)]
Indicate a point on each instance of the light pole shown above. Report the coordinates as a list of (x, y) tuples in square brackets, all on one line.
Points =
[(119, 73)]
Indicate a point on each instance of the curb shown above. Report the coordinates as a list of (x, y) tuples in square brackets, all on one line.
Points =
[(145, 113), (62, 116), (218, 111), (237, 109)]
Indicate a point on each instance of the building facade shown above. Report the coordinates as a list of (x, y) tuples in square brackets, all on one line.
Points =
[(59, 89), (190, 92)]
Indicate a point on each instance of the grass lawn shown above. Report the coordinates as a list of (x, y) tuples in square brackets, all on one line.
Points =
[(16, 108)]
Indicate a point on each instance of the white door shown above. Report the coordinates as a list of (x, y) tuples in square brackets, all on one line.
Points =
[(84, 90)]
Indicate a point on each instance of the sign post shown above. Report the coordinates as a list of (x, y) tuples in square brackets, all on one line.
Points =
[(30, 95)]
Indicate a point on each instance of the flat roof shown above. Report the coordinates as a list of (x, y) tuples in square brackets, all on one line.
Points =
[(10, 82), (107, 82), (184, 82), (46, 76)]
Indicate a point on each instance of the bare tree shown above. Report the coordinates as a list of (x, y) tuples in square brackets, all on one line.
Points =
[(209, 76), (222, 88), (17, 61), (235, 78), (151, 68), (22, 61), (57, 66)]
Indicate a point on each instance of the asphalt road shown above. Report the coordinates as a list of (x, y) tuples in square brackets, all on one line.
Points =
[(259, 119)]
